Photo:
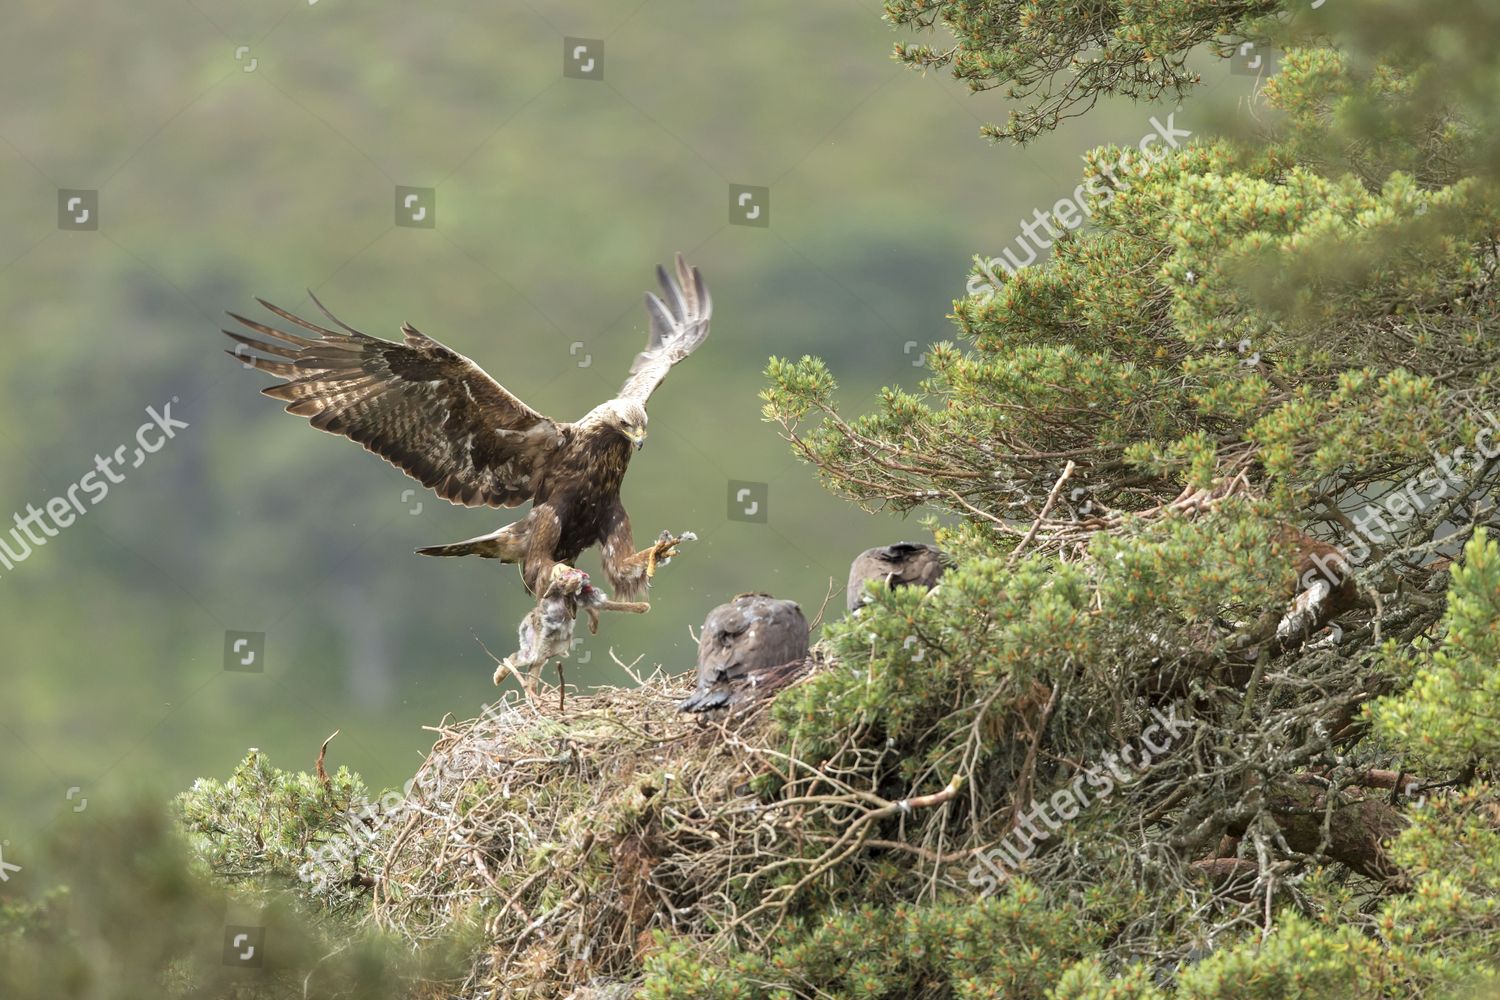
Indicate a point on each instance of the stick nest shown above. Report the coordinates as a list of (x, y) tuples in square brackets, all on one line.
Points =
[(572, 832)]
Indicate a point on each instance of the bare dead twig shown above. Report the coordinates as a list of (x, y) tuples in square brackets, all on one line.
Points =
[(1046, 509), (322, 753)]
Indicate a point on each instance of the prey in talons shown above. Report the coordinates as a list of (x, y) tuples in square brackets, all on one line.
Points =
[(546, 633)]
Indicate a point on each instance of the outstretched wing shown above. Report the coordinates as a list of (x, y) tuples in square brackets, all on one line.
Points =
[(678, 325), (426, 409)]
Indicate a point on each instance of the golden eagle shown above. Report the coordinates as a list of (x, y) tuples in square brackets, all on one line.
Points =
[(904, 564), (438, 417), (748, 649)]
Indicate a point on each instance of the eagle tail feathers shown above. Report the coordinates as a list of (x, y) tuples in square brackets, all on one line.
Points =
[(507, 544)]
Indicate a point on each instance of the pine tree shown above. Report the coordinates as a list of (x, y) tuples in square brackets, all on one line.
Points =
[(1229, 453)]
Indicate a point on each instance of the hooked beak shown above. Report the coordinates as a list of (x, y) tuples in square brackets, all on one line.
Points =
[(637, 438)]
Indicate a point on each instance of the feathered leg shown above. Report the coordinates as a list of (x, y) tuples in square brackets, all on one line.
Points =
[(541, 542), (593, 607), (629, 571)]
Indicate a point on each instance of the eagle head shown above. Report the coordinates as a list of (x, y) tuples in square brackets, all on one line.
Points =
[(626, 416)]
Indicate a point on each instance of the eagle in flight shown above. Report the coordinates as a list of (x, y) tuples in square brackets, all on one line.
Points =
[(439, 418)]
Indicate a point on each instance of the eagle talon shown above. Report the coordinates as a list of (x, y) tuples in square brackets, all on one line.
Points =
[(665, 549)]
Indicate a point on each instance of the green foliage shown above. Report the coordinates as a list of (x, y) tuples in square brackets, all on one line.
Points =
[(1062, 57), (1250, 346), (920, 656), (975, 950), (1299, 960), (993, 630), (1408, 89), (1301, 322), (269, 829), (1449, 716), (1447, 929), (1088, 980), (117, 906)]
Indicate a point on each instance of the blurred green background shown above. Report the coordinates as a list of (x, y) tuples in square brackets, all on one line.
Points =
[(250, 148)]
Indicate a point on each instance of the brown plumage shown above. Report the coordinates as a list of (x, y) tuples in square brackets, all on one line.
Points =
[(904, 564), (748, 648), (437, 416)]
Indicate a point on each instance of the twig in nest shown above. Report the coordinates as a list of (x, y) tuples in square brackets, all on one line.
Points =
[(855, 836), (546, 632), (629, 668), (818, 618), (1046, 509)]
